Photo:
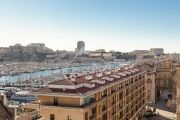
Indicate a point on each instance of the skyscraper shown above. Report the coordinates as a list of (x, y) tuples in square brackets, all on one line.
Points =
[(80, 47)]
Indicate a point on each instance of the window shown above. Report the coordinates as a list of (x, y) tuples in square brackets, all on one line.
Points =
[(164, 82), (113, 100), (104, 93), (120, 95), (120, 86), (127, 92), (104, 116), (94, 110), (52, 117), (113, 89), (127, 83), (69, 117), (86, 116), (104, 107), (113, 111), (120, 105), (120, 115), (55, 101)]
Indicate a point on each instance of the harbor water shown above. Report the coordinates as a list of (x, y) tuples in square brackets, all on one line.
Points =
[(50, 72)]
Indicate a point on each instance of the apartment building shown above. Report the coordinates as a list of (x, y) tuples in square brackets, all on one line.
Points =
[(165, 82), (161, 82), (117, 94), (177, 78), (151, 85)]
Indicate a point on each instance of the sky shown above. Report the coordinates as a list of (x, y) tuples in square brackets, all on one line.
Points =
[(121, 25)]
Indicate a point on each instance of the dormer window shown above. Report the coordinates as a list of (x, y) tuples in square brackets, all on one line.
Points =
[(107, 72), (99, 74), (73, 79), (89, 77)]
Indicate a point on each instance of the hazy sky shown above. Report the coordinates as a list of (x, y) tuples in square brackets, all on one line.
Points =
[(122, 25)]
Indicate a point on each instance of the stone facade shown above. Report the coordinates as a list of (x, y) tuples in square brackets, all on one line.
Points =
[(6, 113), (177, 77)]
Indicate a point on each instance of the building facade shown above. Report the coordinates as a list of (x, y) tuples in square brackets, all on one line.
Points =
[(151, 86), (177, 77), (80, 47), (157, 51), (118, 94), (175, 57), (165, 80)]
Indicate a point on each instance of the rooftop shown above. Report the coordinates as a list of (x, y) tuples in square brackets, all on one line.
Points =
[(83, 83)]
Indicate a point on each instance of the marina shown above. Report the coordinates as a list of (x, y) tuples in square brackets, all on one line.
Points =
[(40, 77), (17, 87)]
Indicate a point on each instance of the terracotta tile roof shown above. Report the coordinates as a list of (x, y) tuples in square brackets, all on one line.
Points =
[(81, 79)]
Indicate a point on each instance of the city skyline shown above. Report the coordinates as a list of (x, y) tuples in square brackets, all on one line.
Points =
[(99, 49), (118, 25)]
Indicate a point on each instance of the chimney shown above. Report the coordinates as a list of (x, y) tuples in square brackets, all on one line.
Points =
[(72, 79), (99, 74)]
